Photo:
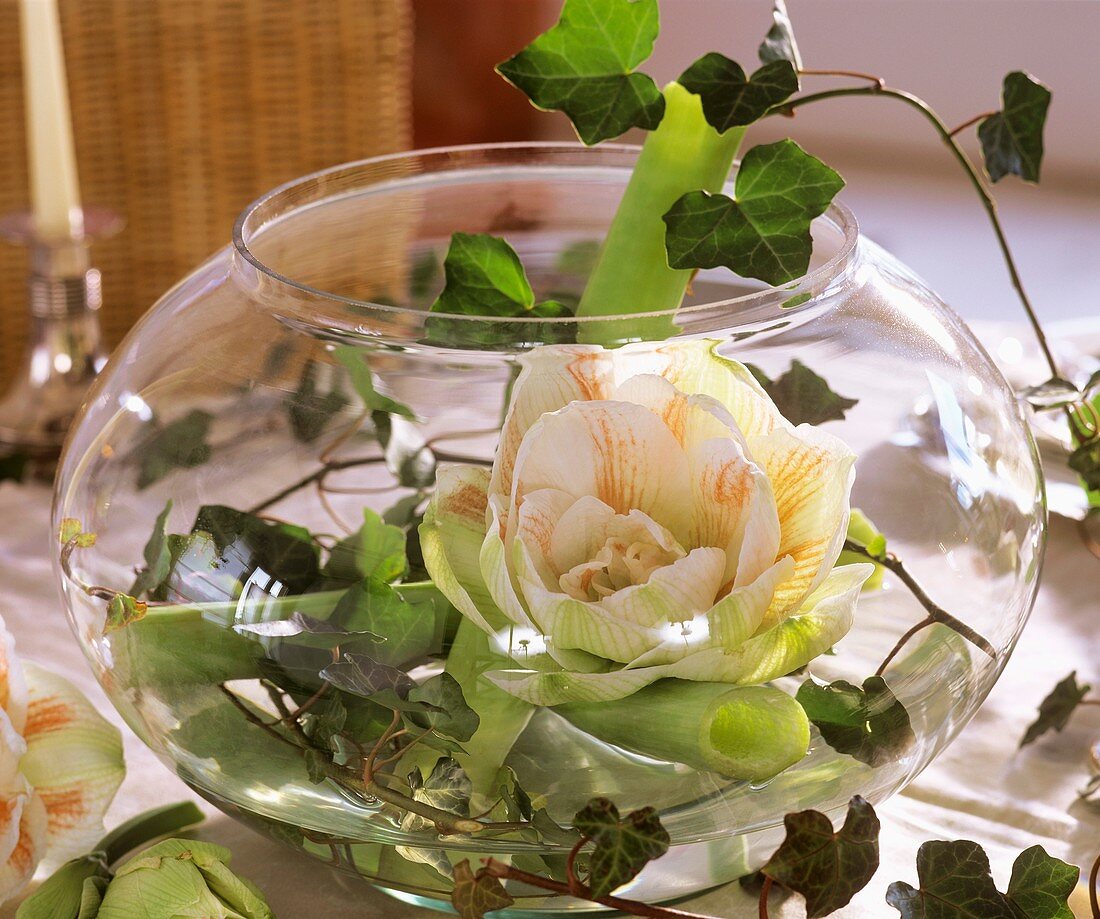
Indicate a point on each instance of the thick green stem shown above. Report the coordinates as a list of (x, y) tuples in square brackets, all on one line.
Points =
[(744, 732), (632, 274)]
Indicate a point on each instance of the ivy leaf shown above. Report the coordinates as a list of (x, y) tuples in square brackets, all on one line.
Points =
[(584, 67), (326, 720), (732, 99), (621, 848), (180, 444), (307, 631), (158, 558), (474, 895), (764, 232), (364, 676), (484, 277), (828, 868), (424, 275), (869, 724), (1056, 708), (1012, 139), (955, 883), (779, 43), (802, 396), (245, 544), (408, 458), (372, 606), (308, 409), (1085, 461), (375, 551), (1041, 884), (362, 380), (452, 715), (72, 529), (517, 803), (123, 609)]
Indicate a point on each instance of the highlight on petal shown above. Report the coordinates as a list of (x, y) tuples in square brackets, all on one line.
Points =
[(451, 537), (496, 571), (73, 761), (811, 478), (615, 451), (550, 378), (13, 686), (691, 418)]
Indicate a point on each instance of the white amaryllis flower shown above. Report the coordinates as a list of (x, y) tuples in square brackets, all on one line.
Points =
[(649, 514), (60, 766)]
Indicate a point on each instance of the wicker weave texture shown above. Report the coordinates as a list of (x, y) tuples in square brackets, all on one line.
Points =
[(186, 110)]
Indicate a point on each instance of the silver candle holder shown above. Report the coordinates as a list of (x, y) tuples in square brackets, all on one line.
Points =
[(64, 350)]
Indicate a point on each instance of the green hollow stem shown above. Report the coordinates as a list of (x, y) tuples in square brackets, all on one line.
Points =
[(144, 828), (631, 274), (750, 733)]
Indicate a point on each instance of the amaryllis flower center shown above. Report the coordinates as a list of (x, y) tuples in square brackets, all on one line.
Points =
[(616, 565)]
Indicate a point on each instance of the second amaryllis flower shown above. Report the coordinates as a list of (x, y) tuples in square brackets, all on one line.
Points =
[(649, 515)]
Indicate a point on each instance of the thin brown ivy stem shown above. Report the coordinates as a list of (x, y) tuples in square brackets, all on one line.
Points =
[(317, 475), (765, 891), (574, 881), (1094, 876), (322, 497), (936, 613), (972, 174), (854, 74), (310, 702), (631, 907), (958, 129)]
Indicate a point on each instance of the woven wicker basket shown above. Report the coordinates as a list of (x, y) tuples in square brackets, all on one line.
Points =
[(186, 110)]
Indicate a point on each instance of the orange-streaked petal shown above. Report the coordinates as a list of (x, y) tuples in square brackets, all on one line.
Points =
[(73, 761), (550, 378), (23, 835), (13, 685)]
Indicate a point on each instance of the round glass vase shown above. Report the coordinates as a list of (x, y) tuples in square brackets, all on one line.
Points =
[(257, 459)]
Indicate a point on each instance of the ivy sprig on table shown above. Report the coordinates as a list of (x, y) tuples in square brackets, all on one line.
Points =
[(827, 867)]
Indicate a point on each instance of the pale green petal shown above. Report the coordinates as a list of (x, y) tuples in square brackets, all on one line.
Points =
[(725, 626), (496, 572), (451, 537), (618, 452), (73, 761), (550, 378), (811, 477), (821, 623), (558, 688), (575, 624)]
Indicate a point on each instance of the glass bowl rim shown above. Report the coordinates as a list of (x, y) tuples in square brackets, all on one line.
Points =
[(768, 302)]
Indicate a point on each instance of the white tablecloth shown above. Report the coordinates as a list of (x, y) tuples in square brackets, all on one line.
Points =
[(981, 788)]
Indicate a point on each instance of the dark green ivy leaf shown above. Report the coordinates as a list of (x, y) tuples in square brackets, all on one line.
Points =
[(1055, 709), (828, 868), (308, 409), (1085, 461), (802, 396), (158, 558), (955, 883), (364, 676), (584, 67), (621, 848), (474, 895), (180, 444), (1041, 884), (484, 277), (1012, 139), (362, 380), (453, 717), (869, 724), (732, 99), (410, 629), (764, 232), (779, 43)]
